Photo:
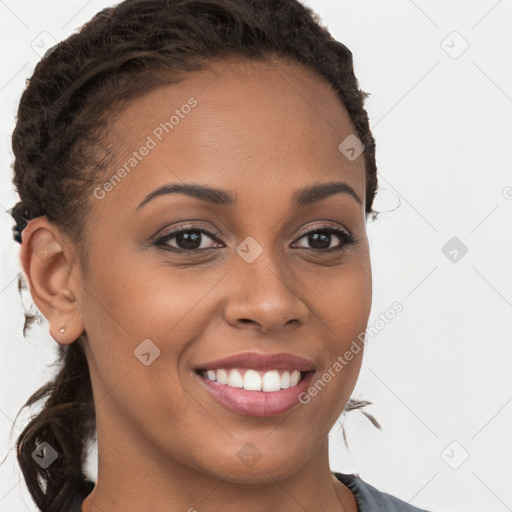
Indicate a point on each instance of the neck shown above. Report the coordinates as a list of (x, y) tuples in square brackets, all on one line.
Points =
[(131, 480)]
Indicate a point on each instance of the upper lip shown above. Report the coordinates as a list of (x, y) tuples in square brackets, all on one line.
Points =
[(256, 361)]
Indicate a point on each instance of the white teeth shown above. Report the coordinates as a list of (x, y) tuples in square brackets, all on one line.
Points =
[(222, 376), (252, 380), (235, 379), (285, 380), (272, 380)]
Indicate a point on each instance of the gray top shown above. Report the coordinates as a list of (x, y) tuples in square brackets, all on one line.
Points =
[(370, 499)]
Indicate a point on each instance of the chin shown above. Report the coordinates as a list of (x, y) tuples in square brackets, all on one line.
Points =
[(249, 465)]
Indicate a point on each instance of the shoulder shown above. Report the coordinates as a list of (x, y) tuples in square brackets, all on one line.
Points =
[(370, 499)]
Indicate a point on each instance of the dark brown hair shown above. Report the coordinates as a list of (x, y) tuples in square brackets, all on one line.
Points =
[(59, 149)]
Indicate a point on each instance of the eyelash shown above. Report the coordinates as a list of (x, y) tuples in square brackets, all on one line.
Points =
[(346, 237)]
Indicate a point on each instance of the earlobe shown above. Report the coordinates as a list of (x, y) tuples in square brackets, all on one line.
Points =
[(48, 265)]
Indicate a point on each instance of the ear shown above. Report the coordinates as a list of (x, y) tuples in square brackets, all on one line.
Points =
[(53, 277)]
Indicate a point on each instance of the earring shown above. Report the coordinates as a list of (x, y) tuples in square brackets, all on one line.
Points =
[(62, 329)]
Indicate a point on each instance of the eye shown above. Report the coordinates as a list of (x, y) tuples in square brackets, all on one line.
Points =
[(188, 239), (321, 238), (192, 239)]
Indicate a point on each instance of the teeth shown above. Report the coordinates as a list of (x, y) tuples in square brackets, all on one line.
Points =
[(252, 380), (272, 380), (285, 380), (235, 379), (222, 376)]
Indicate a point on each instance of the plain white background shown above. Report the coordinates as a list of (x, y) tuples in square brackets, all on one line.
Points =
[(438, 374)]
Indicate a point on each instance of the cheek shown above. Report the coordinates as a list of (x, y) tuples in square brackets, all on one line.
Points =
[(143, 297), (341, 312), (341, 298), (128, 303)]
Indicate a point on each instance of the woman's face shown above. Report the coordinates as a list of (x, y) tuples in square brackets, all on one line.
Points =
[(263, 282)]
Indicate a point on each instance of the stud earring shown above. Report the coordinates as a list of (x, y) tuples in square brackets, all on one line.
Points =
[(62, 329)]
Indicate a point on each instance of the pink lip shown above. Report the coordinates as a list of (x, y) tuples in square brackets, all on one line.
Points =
[(257, 403), (281, 361)]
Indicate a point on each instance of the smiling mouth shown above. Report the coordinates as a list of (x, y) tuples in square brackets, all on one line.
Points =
[(263, 393), (255, 380)]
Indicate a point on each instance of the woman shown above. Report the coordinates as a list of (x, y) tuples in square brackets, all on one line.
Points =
[(195, 179)]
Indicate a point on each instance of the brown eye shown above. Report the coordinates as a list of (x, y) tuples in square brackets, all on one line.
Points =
[(321, 239), (187, 239)]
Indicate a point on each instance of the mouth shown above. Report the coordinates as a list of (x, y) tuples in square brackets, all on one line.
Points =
[(257, 384), (269, 381)]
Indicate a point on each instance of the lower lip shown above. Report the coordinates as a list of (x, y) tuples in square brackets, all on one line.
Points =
[(257, 403)]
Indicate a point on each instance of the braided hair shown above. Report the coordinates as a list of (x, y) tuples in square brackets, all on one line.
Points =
[(58, 145)]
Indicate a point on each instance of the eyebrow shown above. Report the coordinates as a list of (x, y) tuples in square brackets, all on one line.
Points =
[(301, 197)]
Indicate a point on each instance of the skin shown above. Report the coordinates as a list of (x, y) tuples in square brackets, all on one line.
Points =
[(260, 130)]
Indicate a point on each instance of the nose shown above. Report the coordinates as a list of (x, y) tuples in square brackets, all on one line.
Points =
[(261, 294)]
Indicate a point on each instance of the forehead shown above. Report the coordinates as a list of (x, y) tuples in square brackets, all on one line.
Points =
[(237, 123)]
